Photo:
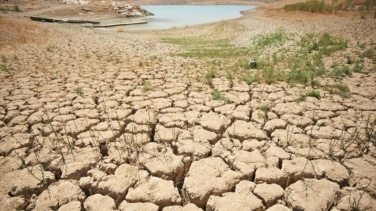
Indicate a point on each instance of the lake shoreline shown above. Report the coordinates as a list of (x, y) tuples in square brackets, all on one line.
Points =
[(178, 16)]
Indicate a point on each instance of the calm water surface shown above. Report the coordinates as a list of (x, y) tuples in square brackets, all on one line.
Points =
[(177, 16)]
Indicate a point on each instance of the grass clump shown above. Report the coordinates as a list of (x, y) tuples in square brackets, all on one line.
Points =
[(216, 95), (370, 54), (263, 107), (4, 59), (324, 44), (339, 89), (4, 68), (314, 93), (269, 40), (230, 78), (79, 90), (340, 71), (210, 74), (50, 48), (146, 86)]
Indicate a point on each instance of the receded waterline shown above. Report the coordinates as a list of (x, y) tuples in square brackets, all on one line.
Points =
[(179, 16)]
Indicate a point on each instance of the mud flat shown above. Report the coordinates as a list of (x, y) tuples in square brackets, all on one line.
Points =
[(112, 120)]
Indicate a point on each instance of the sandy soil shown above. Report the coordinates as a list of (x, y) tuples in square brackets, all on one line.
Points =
[(113, 120)]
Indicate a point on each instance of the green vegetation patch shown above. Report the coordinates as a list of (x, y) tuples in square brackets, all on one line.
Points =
[(314, 93), (206, 48), (370, 53), (339, 89), (322, 6), (12, 8), (218, 96), (309, 6), (279, 56), (269, 40)]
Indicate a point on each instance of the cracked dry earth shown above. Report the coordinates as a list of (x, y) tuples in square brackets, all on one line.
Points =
[(100, 120)]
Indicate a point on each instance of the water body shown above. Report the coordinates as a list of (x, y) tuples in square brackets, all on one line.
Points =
[(178, 16)]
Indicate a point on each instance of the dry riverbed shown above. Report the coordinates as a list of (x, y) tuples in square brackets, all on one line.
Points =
[(116, 120)]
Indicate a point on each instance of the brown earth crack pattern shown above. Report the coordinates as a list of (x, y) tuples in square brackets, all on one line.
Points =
[(123, 122)]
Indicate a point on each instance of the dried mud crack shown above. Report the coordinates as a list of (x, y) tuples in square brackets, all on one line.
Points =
[(106, 120)]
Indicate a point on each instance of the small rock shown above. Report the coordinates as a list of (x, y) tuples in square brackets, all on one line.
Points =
[(252, 64)]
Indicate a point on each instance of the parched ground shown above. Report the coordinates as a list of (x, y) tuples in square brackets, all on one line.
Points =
[(116, 120)]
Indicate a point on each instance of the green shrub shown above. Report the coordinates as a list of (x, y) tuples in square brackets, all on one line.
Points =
[(328, 44), (297, 76), (4, 59), (4, 68), (230, 77), (210, 74), (301, 98), (370, 54), (249, 79), (340, 71), (339, 89), (314, 93), (264, 108), (358, 68), (79, 90), (216, 95), (272, 39)]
